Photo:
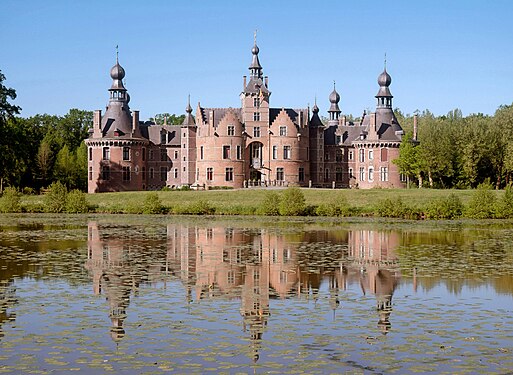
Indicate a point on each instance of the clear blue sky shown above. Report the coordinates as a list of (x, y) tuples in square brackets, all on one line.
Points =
[(441, 54)]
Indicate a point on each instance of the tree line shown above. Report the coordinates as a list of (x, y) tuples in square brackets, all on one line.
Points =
[(454, 151)]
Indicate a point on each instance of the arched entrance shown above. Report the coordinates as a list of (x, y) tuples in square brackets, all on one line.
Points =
[(255, 161)]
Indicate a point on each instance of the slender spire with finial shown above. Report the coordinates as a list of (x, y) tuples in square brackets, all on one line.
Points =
[(334, 98), (255, 67), (117, 54), (255, 35), (385, 61)]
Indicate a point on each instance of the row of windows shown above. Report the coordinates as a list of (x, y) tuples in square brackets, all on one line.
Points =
[(256, 130), (126, 173), (280, 174), (127, 154), (383, 174)]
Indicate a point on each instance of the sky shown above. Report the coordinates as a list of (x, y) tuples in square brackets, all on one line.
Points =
[(441, 54)]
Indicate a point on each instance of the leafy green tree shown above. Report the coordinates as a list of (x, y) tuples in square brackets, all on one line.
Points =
[(408, 161), (7, 148), (166, 118)]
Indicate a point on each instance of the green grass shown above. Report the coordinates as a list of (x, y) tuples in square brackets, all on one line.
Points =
[(247, 201)]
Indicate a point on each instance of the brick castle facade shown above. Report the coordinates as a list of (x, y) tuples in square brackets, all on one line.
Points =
[(254, 145)]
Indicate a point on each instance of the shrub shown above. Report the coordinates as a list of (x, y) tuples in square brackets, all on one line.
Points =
[(505, 205), (396, 208), (270, 205), (339, 207), (292, 202), (200, 207), (55, 198), (152, 204), (482, 204), (29, 191), (449, 207), (76, 202), (10, 201)]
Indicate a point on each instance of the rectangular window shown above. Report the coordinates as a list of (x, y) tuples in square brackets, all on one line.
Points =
[(371, 174), (384, 173), (338, 156), (163, 154), (175, 172), (384, 154), (231, 130), (362, 174), (361, 154), (126, 173), (283, 131), (327, 156), (210, 174), (256, 132), (256, 102), (226, 152), (229, 174), (326, 174), (275, 152), (143, 154), (90, 173), (338, 174), (106, 153), (351, 155), (163, 173), (105, 173), (126, 153), (403, 177), (301, 174), (90, 153), (176, 154), (163, 137), (151, 155), (350, 171), (279, 174), (239, 152), (152, 174), (339, 139), (256, 116), (371, 154), (286, 152), (201, 152)]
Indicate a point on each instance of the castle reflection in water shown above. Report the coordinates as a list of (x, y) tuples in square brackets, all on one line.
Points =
[(253, 265)]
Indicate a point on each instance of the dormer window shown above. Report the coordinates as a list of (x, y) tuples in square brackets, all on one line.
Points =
[(163, 138)]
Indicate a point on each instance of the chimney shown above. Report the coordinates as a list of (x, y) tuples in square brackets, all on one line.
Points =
[(415, 127), (135, 121), (373, 122), (97, 123), (243, 83)]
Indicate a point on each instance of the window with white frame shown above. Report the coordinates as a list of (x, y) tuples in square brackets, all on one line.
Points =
[(210, 174), (283, 131), (231, 130), (371, 154), (350, 155), (384, 173), (371, 174), (256, 116), (279, 174), (362, 173), (275, 152), (361, 154), (256, 131)]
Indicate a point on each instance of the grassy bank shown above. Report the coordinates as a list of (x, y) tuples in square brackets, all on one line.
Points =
[(411, 203)]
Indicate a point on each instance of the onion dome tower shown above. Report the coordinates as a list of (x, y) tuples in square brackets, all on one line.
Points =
[(334, 111), (384, 95)]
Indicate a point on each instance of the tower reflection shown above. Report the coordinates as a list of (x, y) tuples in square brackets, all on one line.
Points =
[(251, 265)]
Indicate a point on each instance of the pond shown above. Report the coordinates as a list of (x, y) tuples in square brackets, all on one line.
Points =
[(157, 294)]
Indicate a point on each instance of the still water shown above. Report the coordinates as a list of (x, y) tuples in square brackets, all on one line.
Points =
[(123, 294)]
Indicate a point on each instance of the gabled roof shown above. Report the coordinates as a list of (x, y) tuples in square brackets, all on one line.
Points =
[(219, 113)]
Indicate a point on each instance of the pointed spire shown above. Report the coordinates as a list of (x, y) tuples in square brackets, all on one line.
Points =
[(315, 109), (189, 118), (117, 54), (255, 67), (385, 61)]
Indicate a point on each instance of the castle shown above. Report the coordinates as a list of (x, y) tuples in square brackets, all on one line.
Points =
[(254, 145)]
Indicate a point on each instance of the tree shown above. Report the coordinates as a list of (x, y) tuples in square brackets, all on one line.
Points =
[(7, 112), (408, 161)]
